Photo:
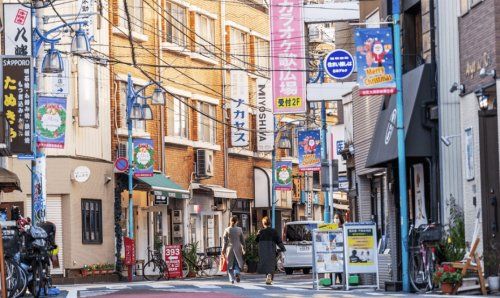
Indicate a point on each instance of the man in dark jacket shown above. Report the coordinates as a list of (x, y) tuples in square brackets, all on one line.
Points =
[(268, 238)]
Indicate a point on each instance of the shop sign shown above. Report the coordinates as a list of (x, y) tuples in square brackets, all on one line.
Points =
[(287, 52), (51, 122), (283, 178), (160, 197), (129, 244), (17, 29), (173, 258), (143, 157), (473, 67), (309, 150), (239, 109), (86, 10), (265, 121), (339, 64), (375, 61), (309, 204), (81, 174), (17, 99)]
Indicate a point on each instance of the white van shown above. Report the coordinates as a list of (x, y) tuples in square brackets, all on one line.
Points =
[(297, 237)]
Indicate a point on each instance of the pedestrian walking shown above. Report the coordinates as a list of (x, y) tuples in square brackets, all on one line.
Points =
[(233, 249), (268, 239), (338, 219)]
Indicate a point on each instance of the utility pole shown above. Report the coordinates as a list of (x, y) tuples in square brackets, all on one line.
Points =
[(403, 202)]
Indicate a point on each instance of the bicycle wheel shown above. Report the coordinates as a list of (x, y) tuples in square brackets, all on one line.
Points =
[(153, 271), (430, 267), (11, 278), (418, 272), (38, 285), (209, 266), (280, 262)]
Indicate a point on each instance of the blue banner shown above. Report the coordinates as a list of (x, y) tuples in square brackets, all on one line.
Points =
[(143, 157), (283, 178), (51, 122), (309, 150), (375, 61)]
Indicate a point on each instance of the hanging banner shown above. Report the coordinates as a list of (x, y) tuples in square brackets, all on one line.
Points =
[(375, 61), (360, 248), (283, 178), (309, 150), (17, 99), (143, 157), (51, 122), (40, 190), (239, 109), (17, 29), (265, 121), (287, 52), (420, 210)]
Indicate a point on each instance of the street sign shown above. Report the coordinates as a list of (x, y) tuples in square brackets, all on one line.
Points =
[(57, 84), (339, 64), (121, 164)]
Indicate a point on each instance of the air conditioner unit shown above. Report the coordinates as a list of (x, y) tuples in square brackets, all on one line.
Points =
[(204, 163), (121, 150), (177, 216)]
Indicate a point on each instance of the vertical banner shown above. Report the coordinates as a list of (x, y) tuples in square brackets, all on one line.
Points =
[(40, 190), (17, 29), (239, 109), (265, 121), (129, 247), (283, 172), (87, 94), (375, 61), (309, 150), (51, 122), (17, 99), (85, 12), (360, 248), (143, 157), (419, 182), (288, 52)]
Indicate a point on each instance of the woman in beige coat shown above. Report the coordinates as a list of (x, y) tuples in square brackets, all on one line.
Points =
[(233, 249)]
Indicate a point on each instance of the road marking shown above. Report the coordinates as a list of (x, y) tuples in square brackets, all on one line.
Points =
[(117, 287), (250, 287), (207, 286)]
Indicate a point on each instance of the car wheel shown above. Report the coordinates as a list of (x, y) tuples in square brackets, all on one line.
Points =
[(306, 270), (288, 271)]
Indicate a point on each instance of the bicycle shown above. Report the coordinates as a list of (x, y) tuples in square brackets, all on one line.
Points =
[(212, 260), (155, 268), (422, 242), (203, 265), (280, 261)]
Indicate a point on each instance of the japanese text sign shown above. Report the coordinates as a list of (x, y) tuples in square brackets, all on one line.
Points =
[(309, 150), (173, 258), (143, 157), (283, 175), (339, 64), (17, 101), (239, 109), (17, 29), (288, 52), (375, 61), (86, 13), (265, 123), (51, 122), (129, 245)]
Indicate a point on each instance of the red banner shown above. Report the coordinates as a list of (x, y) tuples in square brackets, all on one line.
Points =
[(129, 251), (173, 258)]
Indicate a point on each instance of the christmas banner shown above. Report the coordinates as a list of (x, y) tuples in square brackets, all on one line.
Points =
[(309, 150), (143, 157), (283, 178), (51, 122), (375, 61)]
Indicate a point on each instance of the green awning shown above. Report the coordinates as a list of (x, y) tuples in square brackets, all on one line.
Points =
[(168, 188)]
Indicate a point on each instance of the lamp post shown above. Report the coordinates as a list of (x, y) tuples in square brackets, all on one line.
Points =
[(137, 111), (51, 63)]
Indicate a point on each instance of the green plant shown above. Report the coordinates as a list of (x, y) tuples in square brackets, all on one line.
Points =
[(86, 268), (251, 249), (190, 253), (158, 245), (452, 246), (492, 259), (447, 274)]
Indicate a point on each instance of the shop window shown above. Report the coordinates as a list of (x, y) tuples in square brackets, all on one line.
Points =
[(91, 221)]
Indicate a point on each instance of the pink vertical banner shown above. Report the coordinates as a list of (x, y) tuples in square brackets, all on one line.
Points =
[(288, 52)]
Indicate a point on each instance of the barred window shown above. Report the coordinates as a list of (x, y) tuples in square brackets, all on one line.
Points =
[(91, 221)]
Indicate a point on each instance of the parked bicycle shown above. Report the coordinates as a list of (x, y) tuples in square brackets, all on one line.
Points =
[(422, 243), (200, 264), (155, 268)]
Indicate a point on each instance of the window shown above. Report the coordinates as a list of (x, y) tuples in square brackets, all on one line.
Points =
[(239, 48), (178, 119), (206, 125), (412, 38), (91, 221), (135, 8), (138, 125), (262, 54), (466, 5), (205, 35), (176, 24)]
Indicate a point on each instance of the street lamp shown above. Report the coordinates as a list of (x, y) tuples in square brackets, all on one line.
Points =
[(52, 62), (80, 43)]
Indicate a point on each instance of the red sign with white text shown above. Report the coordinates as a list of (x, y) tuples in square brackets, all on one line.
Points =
[(173, 258), (129, 251)]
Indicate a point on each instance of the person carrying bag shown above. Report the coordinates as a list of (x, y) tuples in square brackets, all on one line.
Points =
[(233, 250)]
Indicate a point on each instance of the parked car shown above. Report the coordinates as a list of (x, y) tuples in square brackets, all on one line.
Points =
[(297, 237)]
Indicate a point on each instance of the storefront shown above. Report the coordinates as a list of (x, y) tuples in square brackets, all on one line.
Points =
[(241, 208)]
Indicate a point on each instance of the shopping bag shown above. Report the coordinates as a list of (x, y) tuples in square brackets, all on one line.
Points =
[(223, 265)]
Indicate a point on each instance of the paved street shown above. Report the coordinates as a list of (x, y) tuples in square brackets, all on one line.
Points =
[(296, 286)]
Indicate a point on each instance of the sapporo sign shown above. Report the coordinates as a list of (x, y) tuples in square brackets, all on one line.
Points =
[(17, 101)]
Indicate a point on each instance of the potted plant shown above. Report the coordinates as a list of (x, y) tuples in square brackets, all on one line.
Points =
[(492, 260), (447, 277), (86, 270), (190, 254), (251, 253), (109, 268)]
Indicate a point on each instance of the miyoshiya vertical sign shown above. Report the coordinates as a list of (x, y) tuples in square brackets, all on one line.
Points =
[(265, 134)]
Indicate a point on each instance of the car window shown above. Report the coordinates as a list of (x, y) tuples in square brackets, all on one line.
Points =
[(299, 232)]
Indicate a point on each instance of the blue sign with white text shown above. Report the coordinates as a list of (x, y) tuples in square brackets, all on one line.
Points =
[(339, 64)]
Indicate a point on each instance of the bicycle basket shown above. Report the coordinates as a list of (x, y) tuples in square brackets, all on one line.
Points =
[(38, 233), (430, 234), (214, 251)]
